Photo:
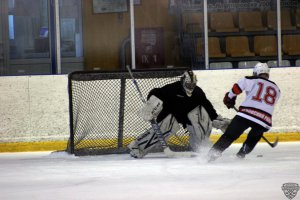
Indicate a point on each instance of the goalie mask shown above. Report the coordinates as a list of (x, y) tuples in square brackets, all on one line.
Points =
[(189, 81), (261, 68)]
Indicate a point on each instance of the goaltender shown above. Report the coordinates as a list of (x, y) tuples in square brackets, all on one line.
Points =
[(179, 102)]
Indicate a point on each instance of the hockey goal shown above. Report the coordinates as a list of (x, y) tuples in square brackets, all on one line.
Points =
[(103, 110)]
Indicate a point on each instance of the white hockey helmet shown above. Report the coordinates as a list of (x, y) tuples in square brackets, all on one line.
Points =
[(261, 68), (188, 81)]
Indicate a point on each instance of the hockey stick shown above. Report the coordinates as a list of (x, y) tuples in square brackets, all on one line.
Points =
[(156, 127), (263, 137)]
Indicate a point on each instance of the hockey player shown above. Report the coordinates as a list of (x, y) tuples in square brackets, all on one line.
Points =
[(255, 112), (179, 102)]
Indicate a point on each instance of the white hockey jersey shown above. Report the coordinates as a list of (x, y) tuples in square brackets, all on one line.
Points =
[(261, 98)]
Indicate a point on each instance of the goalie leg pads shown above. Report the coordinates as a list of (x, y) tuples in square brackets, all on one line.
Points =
[(200, 129), (148, 140)]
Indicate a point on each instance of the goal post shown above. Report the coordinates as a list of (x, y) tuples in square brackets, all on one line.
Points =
[(103, 108)]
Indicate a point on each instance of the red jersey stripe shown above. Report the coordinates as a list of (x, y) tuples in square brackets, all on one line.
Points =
[(236, 89)]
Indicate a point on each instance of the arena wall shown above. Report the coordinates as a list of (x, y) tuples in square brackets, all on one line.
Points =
[(35, 116)]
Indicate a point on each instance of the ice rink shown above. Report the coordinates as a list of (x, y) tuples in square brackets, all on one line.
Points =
[(59, 176)]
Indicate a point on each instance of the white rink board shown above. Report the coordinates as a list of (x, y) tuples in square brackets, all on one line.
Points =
[(35, 108)]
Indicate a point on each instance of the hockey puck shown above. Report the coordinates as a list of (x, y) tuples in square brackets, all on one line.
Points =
[(259, 156)]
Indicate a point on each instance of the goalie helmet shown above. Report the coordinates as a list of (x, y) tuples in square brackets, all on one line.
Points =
[(261, 68), (189, 81)]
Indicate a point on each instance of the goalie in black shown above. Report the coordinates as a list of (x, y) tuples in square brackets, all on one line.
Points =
[(179, 102)]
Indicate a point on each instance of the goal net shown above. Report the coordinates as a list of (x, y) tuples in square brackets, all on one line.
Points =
[(103, 110)]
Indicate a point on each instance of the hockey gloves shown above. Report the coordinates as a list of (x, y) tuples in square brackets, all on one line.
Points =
[(221, 123), (151, 109), (229, 102)]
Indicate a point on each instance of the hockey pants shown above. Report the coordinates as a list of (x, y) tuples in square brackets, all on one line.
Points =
[(237, 126)]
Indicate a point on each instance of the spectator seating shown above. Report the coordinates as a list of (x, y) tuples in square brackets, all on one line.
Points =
[(251, 21), (222, 22), (265, 45), (250, 39), (291, 45), (192, 22), (214, 48), (238, 46), (199, 47), (286, 23)]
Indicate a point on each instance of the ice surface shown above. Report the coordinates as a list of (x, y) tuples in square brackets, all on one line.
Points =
[(59, 176)]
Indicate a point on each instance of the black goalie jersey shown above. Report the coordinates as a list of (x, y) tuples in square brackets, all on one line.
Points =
[(177, 103)]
